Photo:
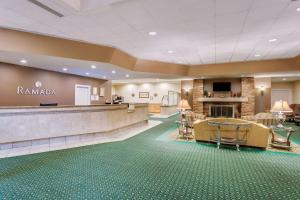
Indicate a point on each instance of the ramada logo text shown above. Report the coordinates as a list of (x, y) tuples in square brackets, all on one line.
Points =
[(36, 90)]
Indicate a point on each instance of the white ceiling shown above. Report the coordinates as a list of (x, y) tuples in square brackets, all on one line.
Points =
[(78, 67), (198, 31)]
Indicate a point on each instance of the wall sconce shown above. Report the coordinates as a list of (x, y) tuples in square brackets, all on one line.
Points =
[(262, 90), (186, 91)]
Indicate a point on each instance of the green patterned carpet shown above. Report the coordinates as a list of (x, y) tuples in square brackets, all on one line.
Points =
[(146, 168)]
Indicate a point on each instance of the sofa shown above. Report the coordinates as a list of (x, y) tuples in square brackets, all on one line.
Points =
[(257, 135), (295, 115), (267, 119)]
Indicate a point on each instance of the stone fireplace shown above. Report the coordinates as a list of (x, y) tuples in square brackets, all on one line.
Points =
[(225, 104)]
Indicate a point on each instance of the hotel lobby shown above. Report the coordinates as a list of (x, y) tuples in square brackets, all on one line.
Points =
[(149, 99)]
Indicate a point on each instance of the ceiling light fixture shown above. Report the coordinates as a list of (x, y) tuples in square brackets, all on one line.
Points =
[(273, 40), (127, 75), (87, 73), (93, 66), (113, 71), (65, 69), (23, 61), (298, 9), (104, 77), (170, 51), (257, 55), (152, 33)]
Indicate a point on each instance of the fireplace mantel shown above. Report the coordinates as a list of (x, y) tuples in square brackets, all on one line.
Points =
[(223, 99)]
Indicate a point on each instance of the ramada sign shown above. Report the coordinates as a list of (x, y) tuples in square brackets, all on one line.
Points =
[(37, 90)]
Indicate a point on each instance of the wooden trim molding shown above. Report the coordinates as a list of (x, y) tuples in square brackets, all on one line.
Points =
[(31, 43)]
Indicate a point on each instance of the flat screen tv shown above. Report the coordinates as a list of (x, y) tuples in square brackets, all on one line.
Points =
[(221, 86)]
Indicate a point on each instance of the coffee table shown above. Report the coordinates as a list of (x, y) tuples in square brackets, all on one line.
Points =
[(236, 140)]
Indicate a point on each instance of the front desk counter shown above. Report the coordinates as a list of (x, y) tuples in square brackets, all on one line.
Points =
[(19, 124)]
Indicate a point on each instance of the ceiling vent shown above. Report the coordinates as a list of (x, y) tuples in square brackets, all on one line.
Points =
[(46, 8)]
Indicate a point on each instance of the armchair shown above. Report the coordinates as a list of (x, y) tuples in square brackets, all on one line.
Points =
[(281, 142), (295, 116)]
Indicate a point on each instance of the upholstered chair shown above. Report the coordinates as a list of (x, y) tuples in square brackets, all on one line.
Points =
[(266, 119)]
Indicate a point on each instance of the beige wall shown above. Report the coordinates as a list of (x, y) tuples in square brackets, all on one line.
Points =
[(161, 89), (187, 91), (282, 85), (296, 92), (12, 76), (285, 85), (262, 100)]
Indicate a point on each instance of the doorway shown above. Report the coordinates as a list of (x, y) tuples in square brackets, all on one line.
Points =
[(82, 95)]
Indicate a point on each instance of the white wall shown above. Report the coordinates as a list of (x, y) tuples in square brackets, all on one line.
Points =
[(160, 89)]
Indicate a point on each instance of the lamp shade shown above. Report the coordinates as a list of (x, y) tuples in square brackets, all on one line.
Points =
[(184, 104), (281, 106)]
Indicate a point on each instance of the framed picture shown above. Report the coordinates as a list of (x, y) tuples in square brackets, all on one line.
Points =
[(144, 94)]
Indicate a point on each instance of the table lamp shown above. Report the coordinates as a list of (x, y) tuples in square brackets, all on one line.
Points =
[(182, 106), (280, 108)]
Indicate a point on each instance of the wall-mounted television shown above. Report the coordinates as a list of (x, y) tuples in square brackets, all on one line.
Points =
[(222, 86)]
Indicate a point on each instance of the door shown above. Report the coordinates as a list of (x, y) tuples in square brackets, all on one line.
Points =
[(281, 94), (82, 95)]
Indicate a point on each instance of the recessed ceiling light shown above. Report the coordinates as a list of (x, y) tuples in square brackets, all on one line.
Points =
[(23, 61), (257, 55), (284, 79), (170, 51), (127, 75), (298, 9), (152, 33), (65, 69), (113, 71), (87, 73), (273, 40), (93, 66)]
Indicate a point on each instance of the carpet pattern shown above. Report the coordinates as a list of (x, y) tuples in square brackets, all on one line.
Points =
[(143, 167)]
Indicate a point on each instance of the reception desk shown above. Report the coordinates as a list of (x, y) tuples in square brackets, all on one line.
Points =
[(21, 124), (162, 109)]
